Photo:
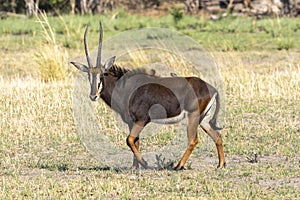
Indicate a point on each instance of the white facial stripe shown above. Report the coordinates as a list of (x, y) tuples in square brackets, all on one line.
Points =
[(100, 87), (91, 78), (96, 83)]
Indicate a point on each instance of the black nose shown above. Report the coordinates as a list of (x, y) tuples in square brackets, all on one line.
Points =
[(93, 97)]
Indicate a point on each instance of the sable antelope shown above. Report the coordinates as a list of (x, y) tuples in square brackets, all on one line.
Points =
[(140, 98)]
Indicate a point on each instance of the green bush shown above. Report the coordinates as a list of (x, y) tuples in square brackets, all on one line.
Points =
[(177, 14), (285, 44)]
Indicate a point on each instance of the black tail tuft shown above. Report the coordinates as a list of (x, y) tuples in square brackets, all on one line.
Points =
[(213, 123)]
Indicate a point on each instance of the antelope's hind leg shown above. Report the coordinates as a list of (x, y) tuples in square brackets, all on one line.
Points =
[(135, 164), (133, 142), (193, 122), (217, 138)]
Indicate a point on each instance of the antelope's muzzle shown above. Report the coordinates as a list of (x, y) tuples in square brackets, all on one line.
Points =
[(93, 97)]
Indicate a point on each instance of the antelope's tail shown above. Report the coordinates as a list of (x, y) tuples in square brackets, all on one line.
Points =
[(213, 121)]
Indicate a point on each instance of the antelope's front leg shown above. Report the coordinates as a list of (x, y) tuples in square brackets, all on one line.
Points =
[(132, 140)]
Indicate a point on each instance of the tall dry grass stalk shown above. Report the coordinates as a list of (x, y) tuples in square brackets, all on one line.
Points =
[(51, 57)]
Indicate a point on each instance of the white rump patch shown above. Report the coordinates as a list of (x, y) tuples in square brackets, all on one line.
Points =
[(206, 114), (209, 105)]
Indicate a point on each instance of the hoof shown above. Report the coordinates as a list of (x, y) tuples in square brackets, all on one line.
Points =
[(134, 167), (145, 165), (220, 166), (177, 168)]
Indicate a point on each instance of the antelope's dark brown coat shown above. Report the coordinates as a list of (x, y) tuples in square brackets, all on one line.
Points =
[(141, 98)]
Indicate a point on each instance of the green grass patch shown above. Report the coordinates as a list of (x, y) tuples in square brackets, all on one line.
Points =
[(230, 33)]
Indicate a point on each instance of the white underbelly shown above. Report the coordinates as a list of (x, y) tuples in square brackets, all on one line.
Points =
[(171, 120)]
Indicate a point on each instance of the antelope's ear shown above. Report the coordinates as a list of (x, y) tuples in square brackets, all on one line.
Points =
[(80, 66), (109, 62), (173, 74)]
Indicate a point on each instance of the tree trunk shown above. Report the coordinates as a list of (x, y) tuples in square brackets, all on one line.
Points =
[(95, 6), (13, 6), (31, 7), (72, 4), (83, 7), (192, 6), (230, 6), (36, 6)]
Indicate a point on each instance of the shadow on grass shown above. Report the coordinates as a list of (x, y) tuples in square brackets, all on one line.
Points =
[(52, 167), (161, 164), (64, 167), (98, 168)]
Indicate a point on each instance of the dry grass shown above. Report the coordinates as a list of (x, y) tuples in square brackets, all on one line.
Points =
[(262, 80), (52, 59), (41, 155)]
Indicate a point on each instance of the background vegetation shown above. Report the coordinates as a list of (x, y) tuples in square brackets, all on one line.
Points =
[(41, 155)]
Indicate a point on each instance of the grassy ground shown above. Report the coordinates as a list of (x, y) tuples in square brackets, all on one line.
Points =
[(42, 157)]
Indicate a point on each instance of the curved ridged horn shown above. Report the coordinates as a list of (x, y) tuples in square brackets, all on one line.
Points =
[(86, 48), (98, 64)]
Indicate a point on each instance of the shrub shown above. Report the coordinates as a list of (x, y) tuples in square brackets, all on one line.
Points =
[(177, 14), (51, 57)]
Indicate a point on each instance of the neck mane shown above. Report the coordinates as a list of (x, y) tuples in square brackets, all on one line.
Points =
[(118, 72)]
